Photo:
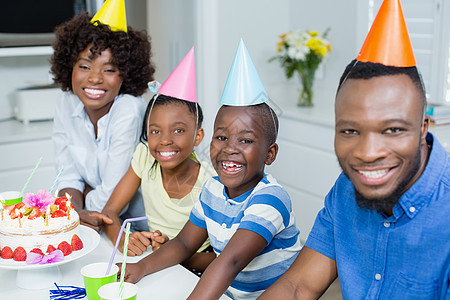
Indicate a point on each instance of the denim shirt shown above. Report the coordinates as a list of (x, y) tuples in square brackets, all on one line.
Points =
[(404, 256)]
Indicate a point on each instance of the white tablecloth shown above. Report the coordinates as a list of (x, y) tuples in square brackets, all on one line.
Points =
[(173, 283)]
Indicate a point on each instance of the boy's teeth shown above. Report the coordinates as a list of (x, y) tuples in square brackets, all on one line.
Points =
[(374, 174), (167, 154), (231, 165), (94, 91)]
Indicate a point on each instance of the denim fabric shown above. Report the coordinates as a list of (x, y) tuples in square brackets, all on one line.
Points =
[(404, 256)]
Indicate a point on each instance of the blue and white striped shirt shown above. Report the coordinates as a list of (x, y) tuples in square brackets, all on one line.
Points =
[(266, 210)]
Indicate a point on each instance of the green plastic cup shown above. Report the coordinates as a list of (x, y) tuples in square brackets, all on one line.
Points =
[(11, 197), (94, 278), (110, 291)]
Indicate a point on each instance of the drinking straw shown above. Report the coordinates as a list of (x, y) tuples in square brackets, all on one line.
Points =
[(31, 175), (56, 180), (124, 260), (118, 240)]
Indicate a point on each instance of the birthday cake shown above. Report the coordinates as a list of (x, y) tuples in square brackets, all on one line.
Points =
[(40, 224)]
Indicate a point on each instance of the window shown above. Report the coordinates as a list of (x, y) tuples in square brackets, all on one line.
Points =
[(428, 24)]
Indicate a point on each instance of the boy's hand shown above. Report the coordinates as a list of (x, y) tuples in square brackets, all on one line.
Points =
[(133, 272), (93, 219), (137, 244), (158, 239)]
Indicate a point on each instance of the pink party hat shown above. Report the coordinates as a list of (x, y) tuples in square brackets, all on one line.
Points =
[(243, 86), (181, 83)]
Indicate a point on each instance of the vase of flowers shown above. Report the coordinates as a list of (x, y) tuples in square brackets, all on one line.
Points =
[(302, 52)]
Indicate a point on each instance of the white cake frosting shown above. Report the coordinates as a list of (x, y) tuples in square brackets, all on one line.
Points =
[(37, 233)]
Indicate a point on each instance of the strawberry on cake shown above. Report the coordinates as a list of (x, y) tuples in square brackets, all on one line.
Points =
[(40, 225)]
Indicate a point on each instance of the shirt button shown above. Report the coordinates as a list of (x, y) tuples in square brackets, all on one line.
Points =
[(377, 276), (387, 224), (412, 209), (224, 225)]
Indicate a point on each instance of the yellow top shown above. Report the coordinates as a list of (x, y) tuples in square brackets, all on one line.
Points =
[(164, 213)]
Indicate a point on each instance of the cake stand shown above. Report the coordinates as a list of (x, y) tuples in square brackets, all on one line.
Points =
[(32, 277)]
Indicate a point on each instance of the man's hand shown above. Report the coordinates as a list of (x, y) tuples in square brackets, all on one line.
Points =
[(93, 219)]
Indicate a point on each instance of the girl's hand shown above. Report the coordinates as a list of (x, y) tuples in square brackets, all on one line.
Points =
[(158, 239), (137, 244), (133, 272)]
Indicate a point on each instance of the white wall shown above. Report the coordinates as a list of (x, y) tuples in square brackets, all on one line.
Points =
[(170, 24), (260, 22), (215, 27)]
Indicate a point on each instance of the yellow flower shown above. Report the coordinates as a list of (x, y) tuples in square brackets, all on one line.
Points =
[(313, 44), (280, 45), (321, 50), (299, 51)]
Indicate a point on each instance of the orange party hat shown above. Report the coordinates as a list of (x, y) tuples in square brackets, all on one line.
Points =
[(388, 40)]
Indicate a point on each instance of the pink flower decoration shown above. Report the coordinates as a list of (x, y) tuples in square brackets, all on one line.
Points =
[(52, 257), (42, 200), (33, 258), (30, 199), (45, 199)]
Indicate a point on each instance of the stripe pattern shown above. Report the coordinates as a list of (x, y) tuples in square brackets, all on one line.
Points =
[(266, 210)]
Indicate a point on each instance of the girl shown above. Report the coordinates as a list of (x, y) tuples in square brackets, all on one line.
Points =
[(98, 119), (169, 174)]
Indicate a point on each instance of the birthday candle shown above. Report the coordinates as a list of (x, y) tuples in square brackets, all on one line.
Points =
[(19, 214), (68, 205), (47, 214), (2, 205)]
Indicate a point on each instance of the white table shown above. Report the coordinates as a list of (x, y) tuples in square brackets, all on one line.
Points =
[(173, 283)]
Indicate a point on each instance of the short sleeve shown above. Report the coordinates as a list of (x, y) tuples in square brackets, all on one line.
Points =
[(197, 216), (321, 237), (268, 213), (141, 159)]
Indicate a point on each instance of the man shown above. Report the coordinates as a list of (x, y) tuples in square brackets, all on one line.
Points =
[(385, 227)]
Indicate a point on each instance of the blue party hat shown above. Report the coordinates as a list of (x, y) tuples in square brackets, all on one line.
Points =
[(243, 86)]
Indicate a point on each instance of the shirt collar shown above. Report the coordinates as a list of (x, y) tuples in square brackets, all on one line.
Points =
[(422, 190), (79, 110), (241, 198)]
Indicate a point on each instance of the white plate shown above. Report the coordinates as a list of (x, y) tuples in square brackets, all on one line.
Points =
[(88, 236)]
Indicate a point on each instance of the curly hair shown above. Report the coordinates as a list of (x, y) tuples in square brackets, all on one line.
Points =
[(131, 52)]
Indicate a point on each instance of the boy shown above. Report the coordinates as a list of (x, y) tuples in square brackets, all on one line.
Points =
[(246, 214)]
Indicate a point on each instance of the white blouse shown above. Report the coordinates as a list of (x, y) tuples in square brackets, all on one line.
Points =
[(100, 162)]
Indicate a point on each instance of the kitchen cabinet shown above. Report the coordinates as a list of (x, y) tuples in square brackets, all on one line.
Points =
[(21, 147)]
